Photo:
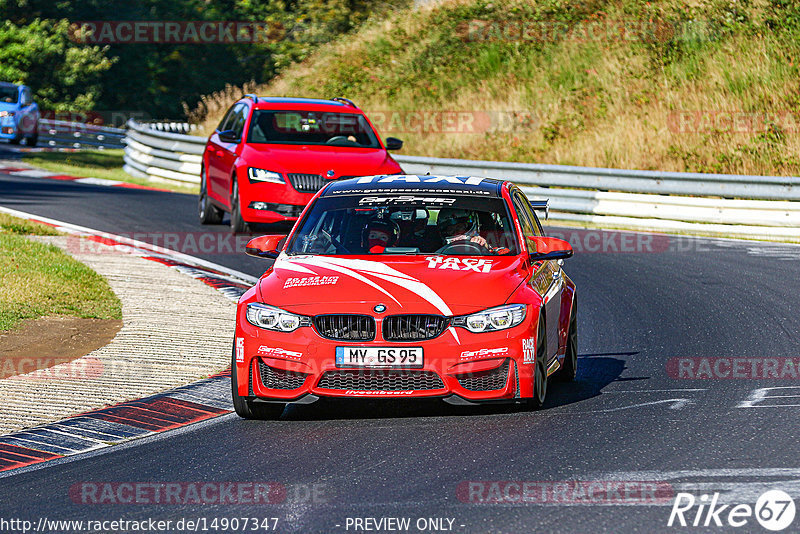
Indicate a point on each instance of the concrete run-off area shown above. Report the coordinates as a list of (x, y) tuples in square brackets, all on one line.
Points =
[(176, 330)]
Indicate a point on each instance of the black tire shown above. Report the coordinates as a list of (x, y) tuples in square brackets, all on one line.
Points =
[(247, 409), (238, 226), (569, 366), (209, 213), (540, 372), (32, 140), (15, 140)]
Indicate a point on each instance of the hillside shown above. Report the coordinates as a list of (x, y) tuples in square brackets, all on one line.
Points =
[(707, 86)]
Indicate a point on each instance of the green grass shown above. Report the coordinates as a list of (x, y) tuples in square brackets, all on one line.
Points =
[(106, 164), (39, 279), (15, 225)]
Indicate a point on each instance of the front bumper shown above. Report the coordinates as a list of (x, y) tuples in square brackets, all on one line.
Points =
[(271, 202), (9, 131), (289, 367)]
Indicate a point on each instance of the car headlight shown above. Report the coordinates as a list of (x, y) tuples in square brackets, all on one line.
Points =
[(6, 113), (262, 175), (270, 318), (493, 319)]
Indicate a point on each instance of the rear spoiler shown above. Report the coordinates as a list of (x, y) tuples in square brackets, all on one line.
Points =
[(542, 205)]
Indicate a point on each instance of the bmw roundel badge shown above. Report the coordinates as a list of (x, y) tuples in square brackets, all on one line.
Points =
[(379, 308)]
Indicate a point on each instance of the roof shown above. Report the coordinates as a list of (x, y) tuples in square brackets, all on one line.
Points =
[(9, 84), (431, 184), (311, 104)]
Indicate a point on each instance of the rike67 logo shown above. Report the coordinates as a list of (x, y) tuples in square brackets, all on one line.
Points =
[(774, 510)]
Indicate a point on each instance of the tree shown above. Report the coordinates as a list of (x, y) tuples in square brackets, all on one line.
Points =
[(63, 75)]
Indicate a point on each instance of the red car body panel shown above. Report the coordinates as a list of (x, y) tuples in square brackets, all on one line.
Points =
[(226, 163), (312, 285)]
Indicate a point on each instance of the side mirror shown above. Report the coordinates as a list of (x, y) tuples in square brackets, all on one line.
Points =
[(549, 248), (393, 143), (265, 246), (228, 136)]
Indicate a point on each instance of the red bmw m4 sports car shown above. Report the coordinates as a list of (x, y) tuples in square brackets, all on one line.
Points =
[(400, 286)]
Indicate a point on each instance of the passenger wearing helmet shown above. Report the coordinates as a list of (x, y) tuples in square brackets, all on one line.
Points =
[(379, 234), (457, 224)]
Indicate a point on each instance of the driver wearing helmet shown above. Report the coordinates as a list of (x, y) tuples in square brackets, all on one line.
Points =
[(379, 234), (457, 224)]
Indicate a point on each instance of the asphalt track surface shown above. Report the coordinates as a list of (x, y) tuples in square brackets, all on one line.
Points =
[(625, 418)]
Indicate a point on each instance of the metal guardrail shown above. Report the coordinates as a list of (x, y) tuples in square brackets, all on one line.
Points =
[(173, 127), (64, 134), (734, 205), (161, 155)]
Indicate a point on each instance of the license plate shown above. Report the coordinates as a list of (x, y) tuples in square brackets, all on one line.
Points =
[(378, 356)]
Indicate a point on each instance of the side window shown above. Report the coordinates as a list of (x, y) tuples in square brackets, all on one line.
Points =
[(228, 116), (537, 227), (528, 220), (524, 220), (238, 120)]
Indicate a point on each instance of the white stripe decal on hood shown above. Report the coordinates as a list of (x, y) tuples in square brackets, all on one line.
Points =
[(291, 266), (373, 268), (323, 263), (357, 268)]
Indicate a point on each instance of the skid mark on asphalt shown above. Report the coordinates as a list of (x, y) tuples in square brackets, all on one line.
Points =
[(102, 428), (775, 251), (743, 485), (774, 397)]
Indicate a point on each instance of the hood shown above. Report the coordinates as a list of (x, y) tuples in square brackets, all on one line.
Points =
[(8, 106), (311, 159), (442, 285)]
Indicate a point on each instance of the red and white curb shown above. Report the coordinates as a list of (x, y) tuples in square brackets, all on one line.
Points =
[(39, 173), (172, 409), (106, 427)]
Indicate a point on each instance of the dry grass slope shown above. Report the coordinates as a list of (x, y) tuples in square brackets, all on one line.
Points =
[(707, 86)]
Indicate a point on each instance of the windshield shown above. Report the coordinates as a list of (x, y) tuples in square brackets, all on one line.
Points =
[(9, 95), (406, 224), (311, 128)]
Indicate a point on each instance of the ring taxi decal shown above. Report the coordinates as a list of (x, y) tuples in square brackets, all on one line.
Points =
[(460, 264)]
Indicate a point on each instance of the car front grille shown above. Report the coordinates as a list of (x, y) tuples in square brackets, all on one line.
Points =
[(413, 327), (273, 378), (380, 380), (485, 380), (344, 327), (306, 183)]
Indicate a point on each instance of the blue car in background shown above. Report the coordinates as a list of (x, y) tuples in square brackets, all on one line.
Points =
[(19, 114)]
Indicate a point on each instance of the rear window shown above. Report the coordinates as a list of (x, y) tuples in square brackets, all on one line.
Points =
[(311, 128)]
